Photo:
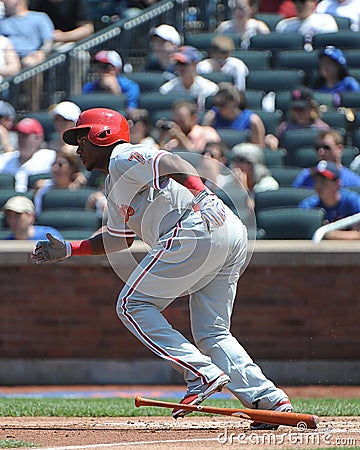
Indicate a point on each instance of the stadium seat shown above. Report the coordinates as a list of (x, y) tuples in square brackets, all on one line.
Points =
[(46, 121), (274, 158), (154, 101), (254, 59), (100, 100), (6, 193), (275, 79), (294, 139), (271, 120), (284, 196), (298, 59), (277, 41), (307, 156), (285, 175), (335, 118), (344, 23), (217, 77), (290, 222), (232, 137), (148, 81), (192, 157), (352, 57), (350, 99), (38, 176), (341, 39), (7, 181), (79, 221), (66, 198), (271, 19)]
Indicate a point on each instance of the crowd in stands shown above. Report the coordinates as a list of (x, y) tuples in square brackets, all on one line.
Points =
[(204, 122)]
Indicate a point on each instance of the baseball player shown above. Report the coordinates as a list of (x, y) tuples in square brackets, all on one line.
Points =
[(197, 245)]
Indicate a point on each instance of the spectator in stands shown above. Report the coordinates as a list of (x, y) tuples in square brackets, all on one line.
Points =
[(184, 131), (64, 115), (31, 32), (140, 127), (107, 65), (342, 8), (220, 59), (229, 111), (9, 59), (212, 165), (336, 202), (334, 77), (242, 23), (30, 159), (303, 113), (249, 171), (164, 41), (307, 22), (20, 216), (329, 148), (188, 81), (64, 172), (8, 137), (71, 19)]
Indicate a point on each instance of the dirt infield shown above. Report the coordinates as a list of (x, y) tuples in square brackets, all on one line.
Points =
[(202, 433)]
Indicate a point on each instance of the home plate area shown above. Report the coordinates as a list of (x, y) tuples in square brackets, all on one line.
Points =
[(162, 433)]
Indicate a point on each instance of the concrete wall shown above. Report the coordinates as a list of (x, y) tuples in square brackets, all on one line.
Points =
[(297, 313)]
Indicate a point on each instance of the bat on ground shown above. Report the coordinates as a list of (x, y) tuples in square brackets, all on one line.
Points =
[(302, 421)]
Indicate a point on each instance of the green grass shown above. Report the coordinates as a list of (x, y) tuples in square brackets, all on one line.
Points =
[(120, 407), (14, 443)]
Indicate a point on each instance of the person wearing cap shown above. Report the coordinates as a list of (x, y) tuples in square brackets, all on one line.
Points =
[(20, 216), (64, 115), (8, 138), (307, 22), (334, 77), (220, 60), (336, 201), (188, 80), (329, 148), (243, 22), (30, 159), (107, 64), (303, 112), (164, 41), (342, 8)]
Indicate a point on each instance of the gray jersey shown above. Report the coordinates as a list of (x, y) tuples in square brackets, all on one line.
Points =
[(140, 202)]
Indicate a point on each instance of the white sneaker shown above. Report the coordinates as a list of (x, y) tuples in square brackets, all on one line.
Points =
[(283, 405), (197, 395)]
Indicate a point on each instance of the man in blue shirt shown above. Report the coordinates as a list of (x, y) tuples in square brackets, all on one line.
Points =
[(20, 216), (329, 148), (108, 64), (336, 202)]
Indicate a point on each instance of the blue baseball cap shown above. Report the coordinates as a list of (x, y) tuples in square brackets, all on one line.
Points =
[(335, 54)]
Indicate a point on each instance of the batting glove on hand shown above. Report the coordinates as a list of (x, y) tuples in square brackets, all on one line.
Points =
[(212, 209), (52, 250)]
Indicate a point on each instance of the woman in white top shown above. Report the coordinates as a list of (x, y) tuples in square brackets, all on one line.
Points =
[(242, 23)]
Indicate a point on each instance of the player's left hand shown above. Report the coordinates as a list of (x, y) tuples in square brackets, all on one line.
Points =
[(52, 250), (212, 210)]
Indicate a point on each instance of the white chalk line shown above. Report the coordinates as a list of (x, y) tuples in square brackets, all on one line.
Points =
[(124, 444)]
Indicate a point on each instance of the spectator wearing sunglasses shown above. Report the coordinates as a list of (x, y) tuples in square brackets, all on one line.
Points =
[(140, 127), (329, 148)]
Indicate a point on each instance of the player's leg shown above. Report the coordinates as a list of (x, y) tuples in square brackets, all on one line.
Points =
[(210, 312), (162, 276)]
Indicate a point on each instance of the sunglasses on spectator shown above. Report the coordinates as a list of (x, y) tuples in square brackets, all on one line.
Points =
[(323, 146)]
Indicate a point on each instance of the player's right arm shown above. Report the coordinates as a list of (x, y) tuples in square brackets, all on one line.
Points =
[(53, 249)]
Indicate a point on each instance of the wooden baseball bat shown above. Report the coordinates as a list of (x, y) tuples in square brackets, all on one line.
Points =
[(302, 421)]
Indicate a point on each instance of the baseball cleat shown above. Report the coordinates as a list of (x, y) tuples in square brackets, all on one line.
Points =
[(197, 395), (283, 405)]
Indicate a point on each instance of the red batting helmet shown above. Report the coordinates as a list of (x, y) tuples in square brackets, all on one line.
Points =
[(106, 127)]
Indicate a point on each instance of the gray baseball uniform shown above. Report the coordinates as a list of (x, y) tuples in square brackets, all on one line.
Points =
[(183, 257)]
